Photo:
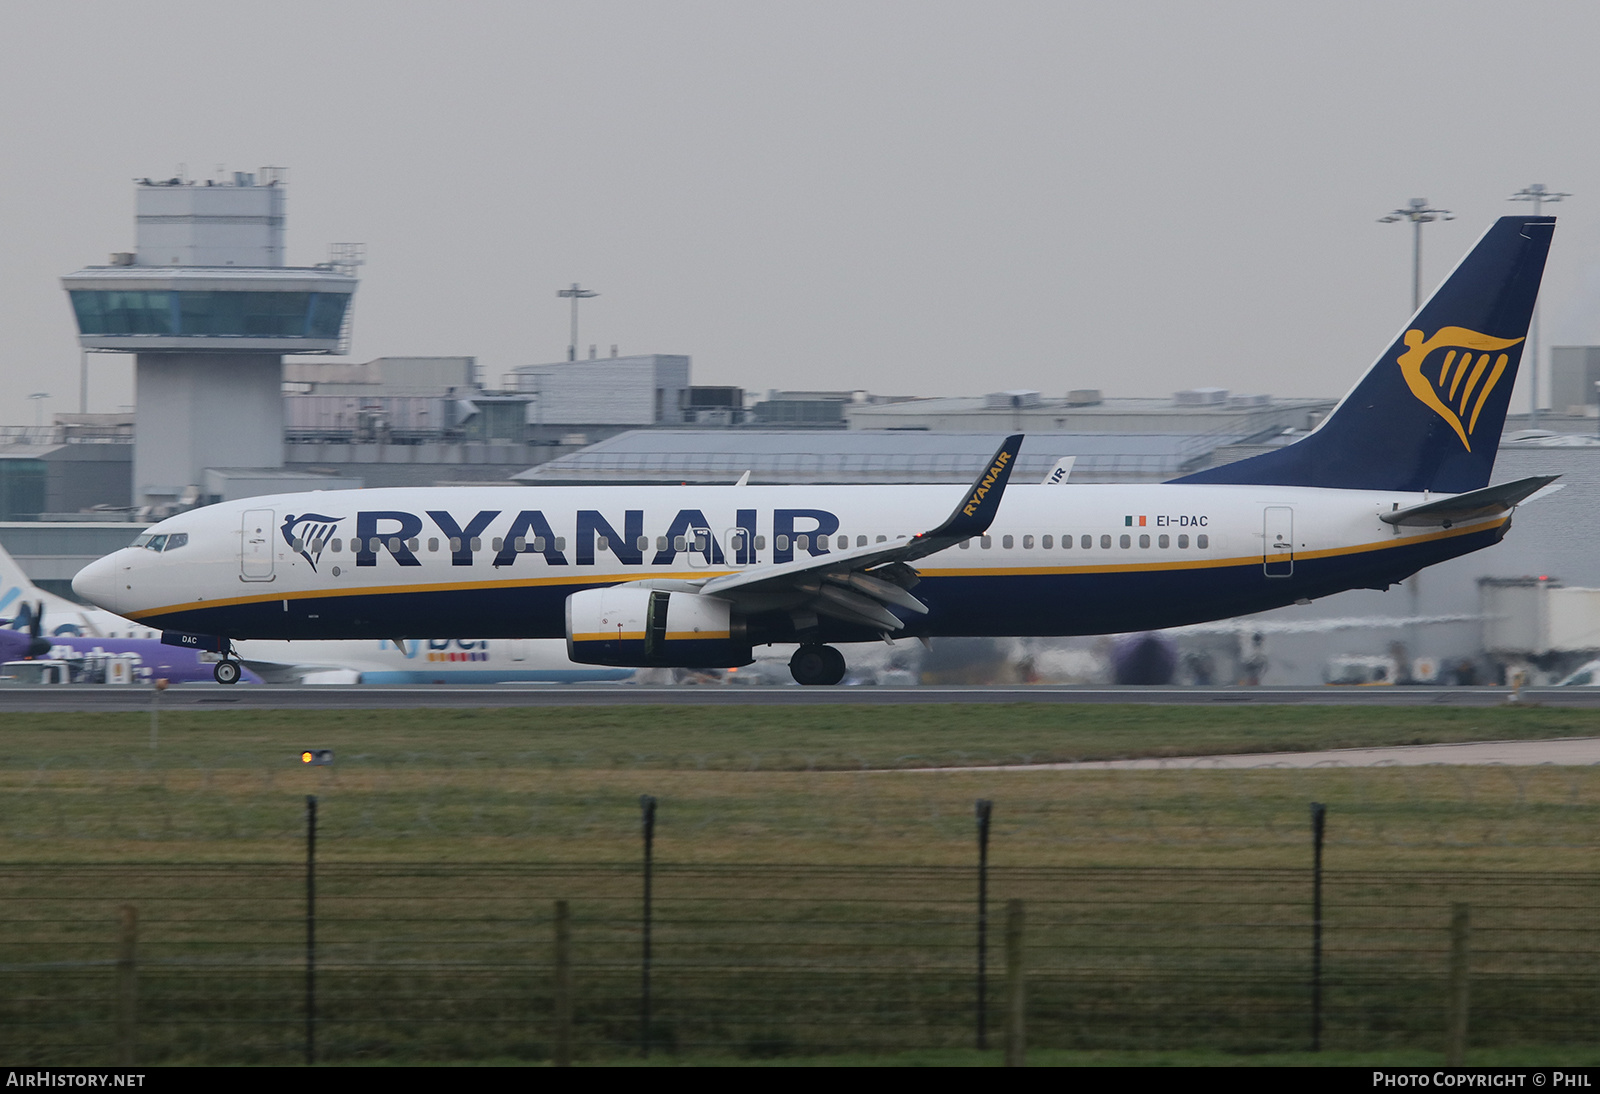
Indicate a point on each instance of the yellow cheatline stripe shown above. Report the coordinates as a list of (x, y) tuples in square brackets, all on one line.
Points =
[(1003, 571)]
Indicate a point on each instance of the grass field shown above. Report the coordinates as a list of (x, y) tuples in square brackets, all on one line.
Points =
[(813, 785), (815, 894)]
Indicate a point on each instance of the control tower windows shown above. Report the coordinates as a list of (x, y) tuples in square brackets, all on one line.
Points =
[(210, 314)]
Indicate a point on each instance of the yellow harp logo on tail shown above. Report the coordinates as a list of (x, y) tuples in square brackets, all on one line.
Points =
[(1456, 382)]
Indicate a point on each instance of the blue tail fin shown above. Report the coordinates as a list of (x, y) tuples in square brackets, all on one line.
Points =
[(1428, 414)]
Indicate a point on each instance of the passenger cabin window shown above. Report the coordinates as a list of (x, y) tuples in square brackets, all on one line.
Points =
[(761, 543), (1047, 542), (1008, 542), (1144, 541), (965, 545), (986, 542), (861, 541), (1088, 541), (433, 544), (642, 544), (1202, 542), (844, 541), (802, 543), (1125, 542), (1105, 543), (1183, 543), (338, 545), (782, 542), (1164, 542)]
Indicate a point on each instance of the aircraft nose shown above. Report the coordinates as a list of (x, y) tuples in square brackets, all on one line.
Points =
[(97, 583)]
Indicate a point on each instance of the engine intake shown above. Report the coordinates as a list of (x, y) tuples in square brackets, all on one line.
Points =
[(637, 627)]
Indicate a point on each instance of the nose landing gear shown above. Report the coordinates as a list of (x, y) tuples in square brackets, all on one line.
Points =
[(227, 671), (817, 664)]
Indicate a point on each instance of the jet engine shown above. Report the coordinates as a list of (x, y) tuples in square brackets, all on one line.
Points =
[(633, 626)]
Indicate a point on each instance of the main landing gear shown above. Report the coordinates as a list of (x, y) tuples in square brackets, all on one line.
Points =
[(227, 671), (817, 664)]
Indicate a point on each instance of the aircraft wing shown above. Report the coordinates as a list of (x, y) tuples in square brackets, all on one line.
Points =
[(1488, 502), (859, 585)]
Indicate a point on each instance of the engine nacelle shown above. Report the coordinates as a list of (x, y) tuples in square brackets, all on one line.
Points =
[(636, 627)]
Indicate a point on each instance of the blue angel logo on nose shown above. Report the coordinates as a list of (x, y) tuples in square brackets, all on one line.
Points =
[(308, 534)]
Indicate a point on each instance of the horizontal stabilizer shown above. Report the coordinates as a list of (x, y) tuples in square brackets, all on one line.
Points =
[(1473, 505)]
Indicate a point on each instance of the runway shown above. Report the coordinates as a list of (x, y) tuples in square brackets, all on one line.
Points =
[(369, 697)]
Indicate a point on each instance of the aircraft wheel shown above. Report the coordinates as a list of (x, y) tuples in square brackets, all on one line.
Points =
[(226, 672), (816, 664)]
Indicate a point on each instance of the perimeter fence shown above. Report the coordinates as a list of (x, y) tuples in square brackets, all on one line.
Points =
[(458, 960)]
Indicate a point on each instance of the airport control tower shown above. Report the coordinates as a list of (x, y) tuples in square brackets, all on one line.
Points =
[(209, 309)]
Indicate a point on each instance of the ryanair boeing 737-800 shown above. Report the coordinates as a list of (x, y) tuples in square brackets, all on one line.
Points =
[(1395, 479)]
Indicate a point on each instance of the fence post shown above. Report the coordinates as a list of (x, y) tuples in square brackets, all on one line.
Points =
[(311, 928), (1456, 1050), (647, 805), (127, 983), (563, 1052), (1319, 815), (1016, 992), (985, 808)]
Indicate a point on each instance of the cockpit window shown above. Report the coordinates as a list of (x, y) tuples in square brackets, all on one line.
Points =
[(156, 543), (176, 540), (143, 540)]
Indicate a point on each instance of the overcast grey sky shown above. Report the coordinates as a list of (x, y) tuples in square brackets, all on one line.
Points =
[(931, 197)]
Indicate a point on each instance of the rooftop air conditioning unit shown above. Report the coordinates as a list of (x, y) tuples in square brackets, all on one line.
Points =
[(1201, 396)]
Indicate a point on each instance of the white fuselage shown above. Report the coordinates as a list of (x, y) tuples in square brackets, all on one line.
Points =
[(1058, 559)]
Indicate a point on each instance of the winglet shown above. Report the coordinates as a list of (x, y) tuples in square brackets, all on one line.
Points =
[(976, 511)]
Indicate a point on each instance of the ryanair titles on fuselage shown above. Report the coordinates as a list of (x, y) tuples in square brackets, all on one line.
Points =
[(400, 535)]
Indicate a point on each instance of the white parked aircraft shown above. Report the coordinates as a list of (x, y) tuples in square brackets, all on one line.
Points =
[(1395, 479), (423, 661)]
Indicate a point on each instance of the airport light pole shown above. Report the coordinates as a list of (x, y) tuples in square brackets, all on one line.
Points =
[(576, 293), (37, 399), (1418, 212), (1538, 195)]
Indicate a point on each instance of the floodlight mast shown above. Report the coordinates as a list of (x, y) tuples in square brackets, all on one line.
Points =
[(1418, 212), (1538, 195), (576, 293)]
